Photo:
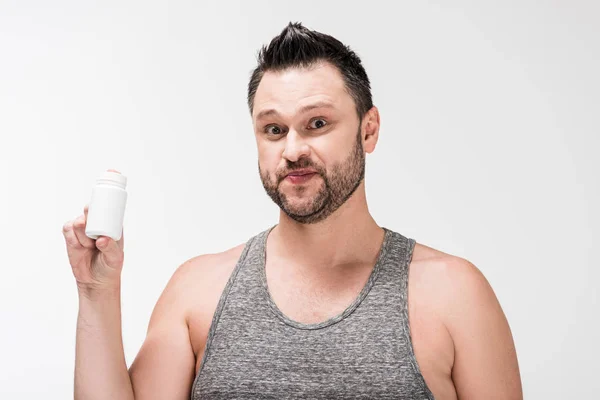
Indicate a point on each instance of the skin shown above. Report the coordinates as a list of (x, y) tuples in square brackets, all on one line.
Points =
[(321, 254)]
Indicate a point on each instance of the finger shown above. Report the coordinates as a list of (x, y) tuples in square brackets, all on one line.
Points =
[(113, 170), (113, 255), (121, 241), (70, 237), (85, 210), (79, 229)]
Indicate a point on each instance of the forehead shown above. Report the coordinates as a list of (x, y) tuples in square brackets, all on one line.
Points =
[(289, 90)]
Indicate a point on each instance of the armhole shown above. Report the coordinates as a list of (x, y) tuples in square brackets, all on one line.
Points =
[(219, 309), (406, 326)]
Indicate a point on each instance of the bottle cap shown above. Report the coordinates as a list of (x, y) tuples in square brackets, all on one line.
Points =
[(113, 178)]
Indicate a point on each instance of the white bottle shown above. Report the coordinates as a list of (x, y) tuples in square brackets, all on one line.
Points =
[(106, 208)]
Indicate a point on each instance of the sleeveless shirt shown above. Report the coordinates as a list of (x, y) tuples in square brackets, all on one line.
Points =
[(254, 351)]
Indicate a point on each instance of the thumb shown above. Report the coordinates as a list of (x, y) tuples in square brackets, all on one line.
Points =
[(111, 252)]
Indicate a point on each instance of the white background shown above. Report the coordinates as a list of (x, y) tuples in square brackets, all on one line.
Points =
[(488, 150)]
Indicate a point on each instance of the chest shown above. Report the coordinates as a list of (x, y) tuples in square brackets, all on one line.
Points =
[(309, 303), (314, 298), (360, 356)]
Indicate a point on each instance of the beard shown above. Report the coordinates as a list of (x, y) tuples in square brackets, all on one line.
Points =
[(335, 189)]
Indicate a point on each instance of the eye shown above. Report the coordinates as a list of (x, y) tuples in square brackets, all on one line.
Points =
[(317, 123), (273, 130)]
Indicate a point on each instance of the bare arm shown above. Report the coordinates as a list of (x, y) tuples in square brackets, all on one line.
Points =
[(100, 369), (485, 363), (164, 367)]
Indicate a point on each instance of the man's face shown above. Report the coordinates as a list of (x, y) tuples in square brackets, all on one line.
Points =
[(304, 119)]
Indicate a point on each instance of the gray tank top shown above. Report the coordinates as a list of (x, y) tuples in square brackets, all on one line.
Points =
[(254, 351)]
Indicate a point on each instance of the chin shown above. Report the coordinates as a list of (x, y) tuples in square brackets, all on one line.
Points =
[(297, 206)]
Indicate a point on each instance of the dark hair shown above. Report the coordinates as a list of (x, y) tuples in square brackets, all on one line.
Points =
[(297, 46)]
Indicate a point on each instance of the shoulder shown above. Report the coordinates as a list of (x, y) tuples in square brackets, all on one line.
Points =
[(452, 276), (463, 300), (199, 281), (455, 285), (207, 270), (209, 266)]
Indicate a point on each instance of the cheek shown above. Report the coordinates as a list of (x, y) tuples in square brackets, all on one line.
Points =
[(328, 151), (268, 159)]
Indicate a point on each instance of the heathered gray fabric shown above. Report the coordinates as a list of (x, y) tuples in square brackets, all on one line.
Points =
[(254, 351)]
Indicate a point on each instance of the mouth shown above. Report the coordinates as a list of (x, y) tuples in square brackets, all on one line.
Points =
[(300, 176), (301, 172)]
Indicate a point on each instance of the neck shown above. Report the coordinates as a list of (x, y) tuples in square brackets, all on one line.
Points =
[(349, 236)]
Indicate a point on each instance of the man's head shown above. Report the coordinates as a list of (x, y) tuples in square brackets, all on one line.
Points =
[(311, 107)]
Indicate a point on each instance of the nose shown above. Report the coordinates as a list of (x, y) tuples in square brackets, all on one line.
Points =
[(295, 147)]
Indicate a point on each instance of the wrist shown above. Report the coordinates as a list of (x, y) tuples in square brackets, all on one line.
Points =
[(96, 292)]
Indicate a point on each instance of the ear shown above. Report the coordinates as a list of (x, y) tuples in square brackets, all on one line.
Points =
[(370, 128)]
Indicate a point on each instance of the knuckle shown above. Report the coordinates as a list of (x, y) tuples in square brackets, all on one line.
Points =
[(72, 241)]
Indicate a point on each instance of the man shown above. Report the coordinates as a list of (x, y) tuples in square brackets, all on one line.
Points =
[(321, 305)]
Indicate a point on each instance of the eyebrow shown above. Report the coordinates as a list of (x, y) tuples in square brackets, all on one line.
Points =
[(272, 111)]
